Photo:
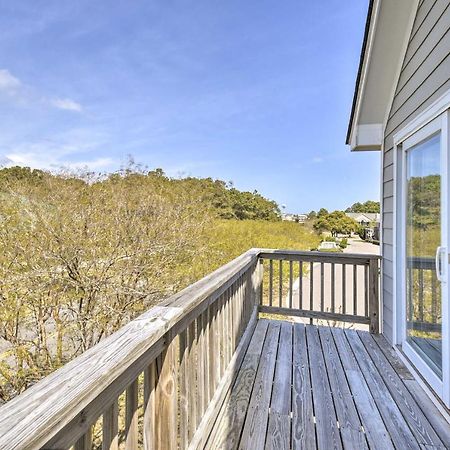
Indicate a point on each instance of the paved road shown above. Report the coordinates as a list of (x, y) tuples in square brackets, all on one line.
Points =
[(355, 246)]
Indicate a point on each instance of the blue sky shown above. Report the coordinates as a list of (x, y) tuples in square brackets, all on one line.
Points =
[(257, 92)]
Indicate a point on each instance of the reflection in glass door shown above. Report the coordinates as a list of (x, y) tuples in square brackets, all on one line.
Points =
[(423, 247)]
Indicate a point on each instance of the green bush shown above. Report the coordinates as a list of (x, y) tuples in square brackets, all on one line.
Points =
[(344, 243)]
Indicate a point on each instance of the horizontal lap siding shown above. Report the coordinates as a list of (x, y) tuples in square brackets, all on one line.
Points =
[(424, 77)]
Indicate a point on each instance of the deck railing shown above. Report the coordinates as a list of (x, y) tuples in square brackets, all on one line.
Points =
[(339, 287), (159, 382), (423, 295)]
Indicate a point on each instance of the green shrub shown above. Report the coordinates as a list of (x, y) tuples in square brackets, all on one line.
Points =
[(344, 243)]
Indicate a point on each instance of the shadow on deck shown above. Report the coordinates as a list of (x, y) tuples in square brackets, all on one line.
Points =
[(321, 387)]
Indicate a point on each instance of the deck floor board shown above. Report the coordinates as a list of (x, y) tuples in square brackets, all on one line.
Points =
[(308, 387)]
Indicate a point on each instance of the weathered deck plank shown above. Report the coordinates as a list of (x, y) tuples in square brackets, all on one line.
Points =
[(303, 428), (307, 387), (349, 423), (398, 428), (228, 427), (328, 435), (413, 415), (279, 431), (376, 432), (255, 426)]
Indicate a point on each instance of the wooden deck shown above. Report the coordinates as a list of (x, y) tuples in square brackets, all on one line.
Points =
[(320, 387)]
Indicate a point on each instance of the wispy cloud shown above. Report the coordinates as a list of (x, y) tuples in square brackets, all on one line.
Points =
[(66, 149), (66, 104), (318, 160), (11, 85), (8, 82)]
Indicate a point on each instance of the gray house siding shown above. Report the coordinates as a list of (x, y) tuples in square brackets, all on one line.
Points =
[(424, 77)]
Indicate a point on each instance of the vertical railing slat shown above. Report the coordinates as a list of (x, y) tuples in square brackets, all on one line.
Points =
[(366, 290), (280, 284), (85, 441), (344, 295), (373, 297), (166, 396), (110, 432), (322, 289), (271, 282), (355, 289), (291, 275), (183, 398), (333, 289), (150, 376), (311, 288), (191, 380), (131, 416), (300, 285)]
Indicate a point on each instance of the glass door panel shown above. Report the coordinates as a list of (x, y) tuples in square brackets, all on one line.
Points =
[(423, 241)]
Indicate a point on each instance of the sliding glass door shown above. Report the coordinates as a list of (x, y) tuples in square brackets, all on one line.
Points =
[(423, 234), (423, 245)]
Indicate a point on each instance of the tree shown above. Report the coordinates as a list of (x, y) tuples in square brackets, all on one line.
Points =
[(337, 223), (312, 215), (322, 212), (369, 206)]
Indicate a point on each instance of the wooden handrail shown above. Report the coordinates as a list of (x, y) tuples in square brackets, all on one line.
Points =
[(185, 352), (59, 409)]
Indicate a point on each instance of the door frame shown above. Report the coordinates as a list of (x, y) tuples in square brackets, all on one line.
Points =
[(434, 119)]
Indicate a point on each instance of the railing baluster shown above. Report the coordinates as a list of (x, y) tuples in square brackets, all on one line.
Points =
[(333, 289), (183, 400), (200, 379), (300, 287), (166, 396), (207, 394), (373, 296), (280, 284), (355, 289), (366, 290), (344, 296), (191, 380), (421, 287), (433, 299), (270, 282), (150, 377), (131, 416), (290, 283), (85, 441), (211, 349), (311, 289), (322, 293), (110, 432)]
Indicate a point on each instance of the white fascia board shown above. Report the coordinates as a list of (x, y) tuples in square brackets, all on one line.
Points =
[(367, 137)]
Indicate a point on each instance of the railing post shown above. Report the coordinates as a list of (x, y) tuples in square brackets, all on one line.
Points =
[(259, 291), (374, 297)]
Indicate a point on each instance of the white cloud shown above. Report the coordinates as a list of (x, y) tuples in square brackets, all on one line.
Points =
[(66, 104), (8, 82), (27, 95), (67, 149), (317, 160)]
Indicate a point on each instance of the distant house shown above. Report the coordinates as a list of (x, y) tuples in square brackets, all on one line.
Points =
[(365, 219), (288, 217)]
